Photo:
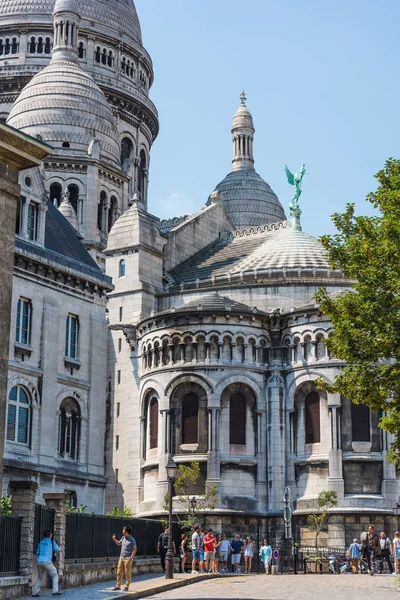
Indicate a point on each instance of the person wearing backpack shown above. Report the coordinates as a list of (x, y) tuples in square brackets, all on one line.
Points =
[(47, 552)]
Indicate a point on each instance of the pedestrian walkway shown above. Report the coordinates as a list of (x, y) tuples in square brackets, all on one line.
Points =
[(142, 583)]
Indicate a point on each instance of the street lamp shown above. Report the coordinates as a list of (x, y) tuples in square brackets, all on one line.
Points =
[(171, 469)]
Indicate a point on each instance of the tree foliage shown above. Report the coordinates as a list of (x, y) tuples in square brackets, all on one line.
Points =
[(116, 512), (187, 512), (77, 509), (366, 320), (325, 500), (5, 505)]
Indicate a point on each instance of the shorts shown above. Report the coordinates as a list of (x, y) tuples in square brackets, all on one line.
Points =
[(181, 553), (210, 555), (235, 559), (201, 555), (195, 554), (397, 553), (223, 556)]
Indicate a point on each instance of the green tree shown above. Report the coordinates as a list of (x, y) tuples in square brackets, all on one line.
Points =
[(325, 500), (75, 509), (5, 505), (116, 512), (187, 512), (366, 319)]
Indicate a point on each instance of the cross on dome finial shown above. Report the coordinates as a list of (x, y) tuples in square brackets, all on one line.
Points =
[(242, 98)]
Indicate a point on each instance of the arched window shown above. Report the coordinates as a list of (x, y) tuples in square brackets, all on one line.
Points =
[(312, 418), (74, 196), (39, 49), (122, 268), (18, 416), (123, 64), (14, 46), (237, 420), (1, 47), (142, 174), (126, 151), (153, 415), (69, 429), (110, 59), (320, 347), (112, 213), (100, 210), (32, 46), (47, 46), (55, 193), (7, 47), (97, 54), (104, 57), (190, 419), (360, 423), (81, 50), (307, 348)]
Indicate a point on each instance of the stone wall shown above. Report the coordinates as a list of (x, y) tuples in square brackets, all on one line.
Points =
[(79, 574)]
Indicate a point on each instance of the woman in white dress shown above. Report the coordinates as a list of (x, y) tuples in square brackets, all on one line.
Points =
[(248, 554)]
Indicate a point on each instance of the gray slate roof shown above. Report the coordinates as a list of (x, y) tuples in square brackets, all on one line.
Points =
[(215, 302)]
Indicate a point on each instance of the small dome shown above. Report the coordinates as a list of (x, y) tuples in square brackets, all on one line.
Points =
[(71, 6), (68, 211), (242, 119), (66, 108), (248, 200)]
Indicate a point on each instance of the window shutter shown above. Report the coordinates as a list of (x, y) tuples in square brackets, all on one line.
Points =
[(312, 418), (237, 420), (190, 419), (153, 423)]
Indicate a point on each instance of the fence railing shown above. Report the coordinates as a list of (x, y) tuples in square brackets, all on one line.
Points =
[(10, 536), (88, 537)]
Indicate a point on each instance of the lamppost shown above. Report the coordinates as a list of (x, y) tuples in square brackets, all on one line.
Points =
[(169, 557)]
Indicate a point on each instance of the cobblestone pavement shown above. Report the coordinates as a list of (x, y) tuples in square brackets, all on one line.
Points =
[(101, 591), (303, 587)]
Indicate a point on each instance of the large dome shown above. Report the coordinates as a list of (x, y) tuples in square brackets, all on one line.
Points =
[(248, 200), (66, 108), (114, 17)]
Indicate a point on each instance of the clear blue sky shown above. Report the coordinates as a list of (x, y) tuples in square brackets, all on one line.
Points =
[(322, 82)]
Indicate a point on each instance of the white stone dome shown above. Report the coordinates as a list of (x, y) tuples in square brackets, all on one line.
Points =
[(242, 119), (116, 18), (64, 105)]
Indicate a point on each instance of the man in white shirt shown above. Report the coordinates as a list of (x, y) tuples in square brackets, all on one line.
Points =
[(223, 553), (386, 551), (195, 548)]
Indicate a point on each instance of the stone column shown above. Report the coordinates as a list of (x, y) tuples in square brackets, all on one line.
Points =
[(335, 478), (276, 439), (23, 505), (17, 151), (58, 502), (261, 456), (213, 461)]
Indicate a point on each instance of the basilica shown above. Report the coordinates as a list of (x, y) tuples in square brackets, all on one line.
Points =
[(135, 339)]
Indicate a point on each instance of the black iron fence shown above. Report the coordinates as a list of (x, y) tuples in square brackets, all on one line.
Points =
[(10, 536), (44, 519), (89, 537)]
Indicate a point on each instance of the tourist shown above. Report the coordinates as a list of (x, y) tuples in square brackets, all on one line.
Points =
[(208, 543), (396, 552), (162, 546), (223, 553), (128, 553), (354, 555), (195, 548), (201, 549), (248, 554), (386, 551), (266, 555), (237, 550), (371, 548), (47, 553), (182, 551), (217, 545)]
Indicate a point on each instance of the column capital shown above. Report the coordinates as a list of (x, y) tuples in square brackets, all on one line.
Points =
[(23, 484)]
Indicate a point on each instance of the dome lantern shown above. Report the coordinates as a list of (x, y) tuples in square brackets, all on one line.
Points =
[(242, 137), (66, 21)]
